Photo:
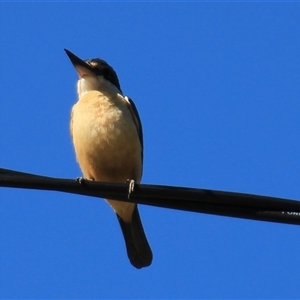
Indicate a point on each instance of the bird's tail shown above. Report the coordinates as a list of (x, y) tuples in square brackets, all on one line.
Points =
[(138, 249)]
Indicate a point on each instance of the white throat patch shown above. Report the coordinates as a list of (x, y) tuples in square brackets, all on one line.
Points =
[(90, 83)]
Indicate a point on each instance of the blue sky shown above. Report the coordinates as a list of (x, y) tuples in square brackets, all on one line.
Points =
[(217, 88)]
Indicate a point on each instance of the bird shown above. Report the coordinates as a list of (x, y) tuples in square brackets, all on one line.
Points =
[(108, 140)]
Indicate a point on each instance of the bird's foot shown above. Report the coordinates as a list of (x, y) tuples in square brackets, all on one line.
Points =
[(82, 181), (130, 187)]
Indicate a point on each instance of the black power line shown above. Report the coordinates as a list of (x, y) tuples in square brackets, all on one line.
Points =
[(230, 204)]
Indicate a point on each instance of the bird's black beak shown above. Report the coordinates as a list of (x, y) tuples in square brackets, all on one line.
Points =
[(82, 68)]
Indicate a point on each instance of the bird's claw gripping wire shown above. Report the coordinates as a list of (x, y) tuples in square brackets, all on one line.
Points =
[(82, 181), (131, 185)]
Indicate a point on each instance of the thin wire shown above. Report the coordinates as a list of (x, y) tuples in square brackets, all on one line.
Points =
[(222, 203)]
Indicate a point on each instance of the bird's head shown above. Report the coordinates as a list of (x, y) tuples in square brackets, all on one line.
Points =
[(94, 74)]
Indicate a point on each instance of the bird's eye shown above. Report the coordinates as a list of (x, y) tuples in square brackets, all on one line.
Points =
[(106, 74)]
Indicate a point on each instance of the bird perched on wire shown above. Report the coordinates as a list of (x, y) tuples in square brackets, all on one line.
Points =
[(108, 141)]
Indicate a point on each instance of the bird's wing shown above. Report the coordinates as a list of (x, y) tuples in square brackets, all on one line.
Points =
[(71, 124), (137, 121)]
